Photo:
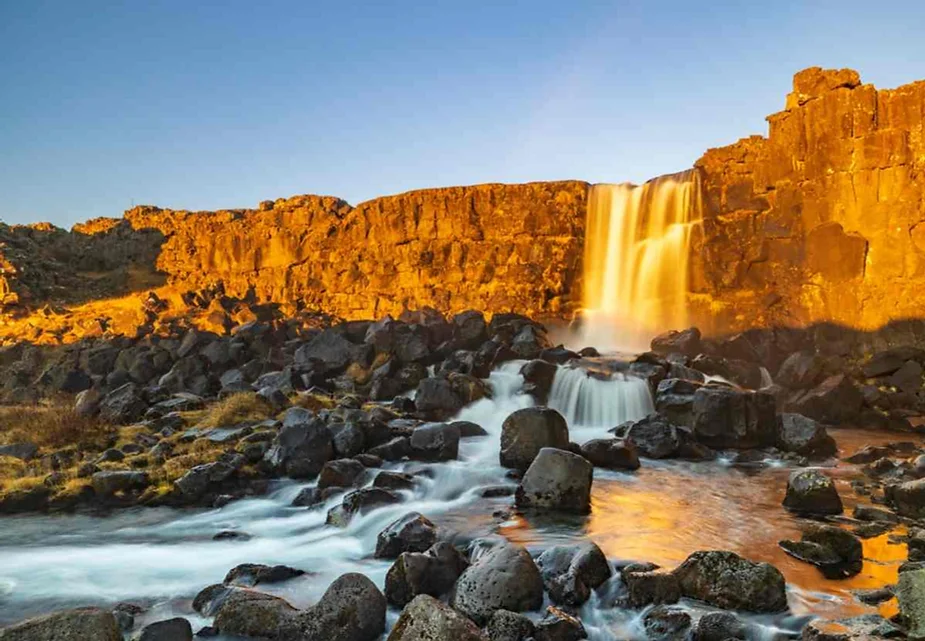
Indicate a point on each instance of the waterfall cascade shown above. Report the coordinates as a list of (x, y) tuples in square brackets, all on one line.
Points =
[(592, 405), (637, 240)]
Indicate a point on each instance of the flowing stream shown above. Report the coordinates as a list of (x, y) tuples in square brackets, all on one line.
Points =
[(162, 557)]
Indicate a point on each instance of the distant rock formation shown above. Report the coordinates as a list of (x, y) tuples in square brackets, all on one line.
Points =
[(823, 220)]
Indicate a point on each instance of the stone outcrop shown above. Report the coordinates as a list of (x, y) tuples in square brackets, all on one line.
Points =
[(822, 220)]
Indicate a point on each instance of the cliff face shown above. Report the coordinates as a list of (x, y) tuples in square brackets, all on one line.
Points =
[(822, 220)]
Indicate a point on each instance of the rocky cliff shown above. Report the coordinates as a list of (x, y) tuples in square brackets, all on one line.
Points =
[(822, 220)]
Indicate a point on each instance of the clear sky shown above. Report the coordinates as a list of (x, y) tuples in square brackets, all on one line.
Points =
[(201, 104)]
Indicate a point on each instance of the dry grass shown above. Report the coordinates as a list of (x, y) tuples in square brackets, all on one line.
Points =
[(237, 408), (24, 483), (11, 467), (51, 426), (314, 402)]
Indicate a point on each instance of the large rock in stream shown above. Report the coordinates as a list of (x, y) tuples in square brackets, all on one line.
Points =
[(726, 580), (503, 578), (525, 432), (557, 480), (836, 552), (729, 418), (352, 609), (302, 446), (812, 492), (571, 572), (427, 619), (81, 624), (433, 572)]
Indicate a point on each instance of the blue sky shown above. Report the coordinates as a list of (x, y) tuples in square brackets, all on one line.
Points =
[(203, 104)]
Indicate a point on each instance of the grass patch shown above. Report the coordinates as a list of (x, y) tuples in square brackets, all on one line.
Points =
[(314, 402), (11, 467), (237, 408), (51, 426)]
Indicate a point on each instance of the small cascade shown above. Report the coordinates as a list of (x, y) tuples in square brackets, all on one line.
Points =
[(637, 241), (592, 404)]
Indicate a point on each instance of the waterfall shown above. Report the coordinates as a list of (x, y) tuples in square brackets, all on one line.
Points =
[(637, 240), (591, 405)]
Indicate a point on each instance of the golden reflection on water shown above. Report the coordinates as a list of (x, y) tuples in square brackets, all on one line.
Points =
[(666, 511)]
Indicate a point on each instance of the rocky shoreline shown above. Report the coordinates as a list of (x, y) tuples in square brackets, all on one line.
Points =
[(198, 419)]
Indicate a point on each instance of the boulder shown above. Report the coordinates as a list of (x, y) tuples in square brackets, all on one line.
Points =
[(685, 342), (352, 609), (571, 572), (436, 399), (911, 595), (81, 624), (526, 431), (503, 578), (427, 619), (509, 626), (802, 435), (110, 482), (907, 378), (393, 481), (651, 587), (558, 480), (836, 400), (674, 400), (538, 377), (667, 624), (728, 418), (865, 627), (812, 492), (410, 533), (302, 446), (909, 498), (344, 472), (836, 552), (654, 437), (888, 361), (200, 479), (611, 453), (360, 501), (800, 371), (123, 405), (469, 330), (251, 574), (720, 626), (176, 629), (435, 442), (22, 451), (726, 580), (433, 572), (559, 625), (246, 613), (330, 349)]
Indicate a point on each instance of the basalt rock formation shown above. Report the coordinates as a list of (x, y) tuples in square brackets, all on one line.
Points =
[(822, 220)]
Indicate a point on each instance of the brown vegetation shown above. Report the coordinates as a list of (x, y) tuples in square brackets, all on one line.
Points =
[(54, 425)]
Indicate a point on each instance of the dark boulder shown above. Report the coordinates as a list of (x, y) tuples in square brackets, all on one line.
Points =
[(247, 613), (81, 624), (302, 446), (341, 473), (352, 609), (123, 405), (909, 498), (509, 626), (652, 587), (538, 377), (571, 572), (435, 442), (667, 624), (835, 401), (469, 330), (802, 435), (813, 493), (393, 481), (427, 619), (836, 552), (436, 399), (111, 482), (674, 400), (557, 480), (433, 572), (526, 431), (800, 371), (559, 625), (611, 453), (411, 533), (251, 574), (200, 479), (329, 349), (726, 580), (730, 418), (888, 361), (654, 437), (503, 578), (685, 342), (360, 501), (176, 629), (720, 626)]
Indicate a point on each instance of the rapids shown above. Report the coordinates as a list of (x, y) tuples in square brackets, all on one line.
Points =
[(162, 557)]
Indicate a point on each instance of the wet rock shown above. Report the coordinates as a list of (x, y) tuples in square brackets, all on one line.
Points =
[(433, 572), (729, 418), (907, 378), (469, 329), (803, 435), (726, 580), (719, 626), (468, 429), (685, 342), (360, 501), (352, 609), (201, 478), (525, 432), (435, 442), (109, 483), (613, 454), (81, 624), (427, 619), (341, 473), (875, 596), (571, 572), (654, 437), (800, 371), (538, 376), (556, 480), (654, 587), (860, 628), (312, 496), (911, 595), (436, 399), (330, 349), (411, 533), (812, 492), (558, 625), (909, 498), (835, 401), (248, 613), (176, 629), (393, 450), (302, 446), (251, 574), (674, 400), (509, 626), (393, 481), (836, 552), (667, 624), (868, 454), (503, 578)]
